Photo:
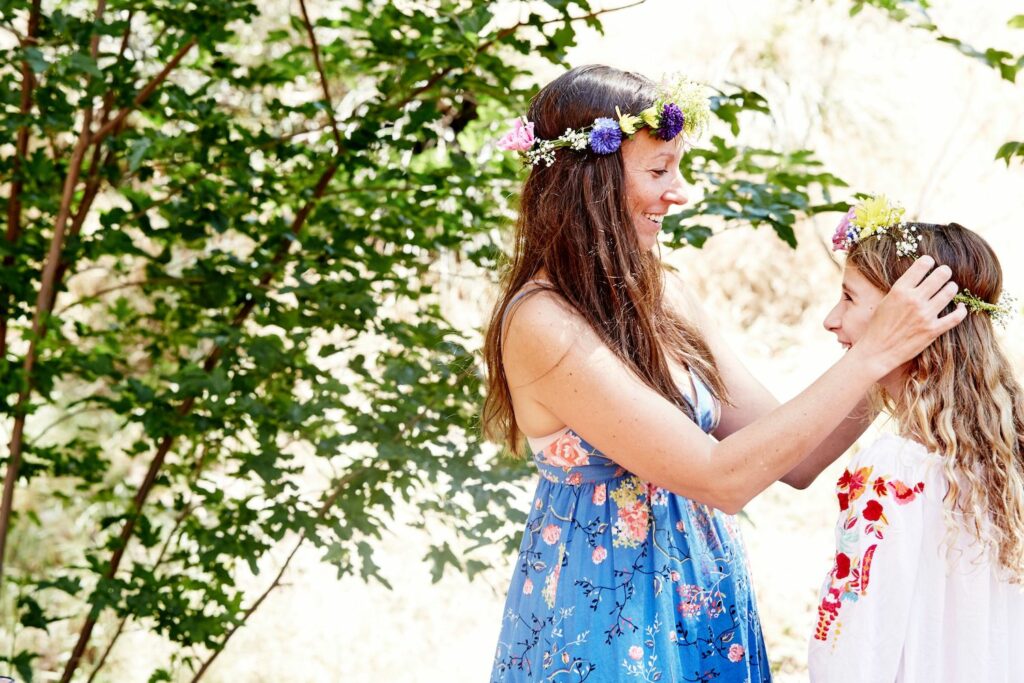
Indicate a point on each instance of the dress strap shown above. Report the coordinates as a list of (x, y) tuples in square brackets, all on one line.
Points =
[(522, 294)]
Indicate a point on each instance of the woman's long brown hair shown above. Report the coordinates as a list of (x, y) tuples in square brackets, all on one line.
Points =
[(961, 399), (575, 225)]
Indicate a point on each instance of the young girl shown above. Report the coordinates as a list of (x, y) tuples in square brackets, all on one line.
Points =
[(925, 585), (647, 432)]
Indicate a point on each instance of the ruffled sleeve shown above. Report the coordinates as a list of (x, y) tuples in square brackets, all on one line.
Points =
[(864, 604)]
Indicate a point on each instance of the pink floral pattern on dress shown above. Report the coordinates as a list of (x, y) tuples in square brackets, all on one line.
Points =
[(551, 534), (601, 549), (566, 451)]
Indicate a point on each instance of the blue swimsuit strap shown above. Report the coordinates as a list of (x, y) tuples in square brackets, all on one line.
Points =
[(522, 294)]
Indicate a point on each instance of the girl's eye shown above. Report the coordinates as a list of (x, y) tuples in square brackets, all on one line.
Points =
[(659, 171), (847, 297)]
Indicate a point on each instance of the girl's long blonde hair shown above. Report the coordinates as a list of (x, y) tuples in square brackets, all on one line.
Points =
[(961, 399)]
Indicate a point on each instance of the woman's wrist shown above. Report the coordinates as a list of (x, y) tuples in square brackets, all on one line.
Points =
[(870, 365)]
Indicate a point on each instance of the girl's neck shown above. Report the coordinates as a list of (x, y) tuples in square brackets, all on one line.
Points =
[(894, 382)]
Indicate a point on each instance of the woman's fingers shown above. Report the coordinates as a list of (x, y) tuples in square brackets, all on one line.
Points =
[(917, 272), (952, 319), (933, 285), (942, 298)]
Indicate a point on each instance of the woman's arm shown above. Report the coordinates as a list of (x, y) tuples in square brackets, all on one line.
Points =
[(750, 400), (553, 357)]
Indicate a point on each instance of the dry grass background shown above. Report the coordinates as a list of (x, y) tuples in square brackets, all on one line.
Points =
[(887, 109)]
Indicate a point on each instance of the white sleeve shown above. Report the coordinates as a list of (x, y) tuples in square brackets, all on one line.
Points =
[(864, 605)]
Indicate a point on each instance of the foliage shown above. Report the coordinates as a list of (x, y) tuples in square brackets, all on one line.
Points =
[(1006, 63), (221, 321)]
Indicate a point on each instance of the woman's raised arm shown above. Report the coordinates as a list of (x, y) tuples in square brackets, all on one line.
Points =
[(555, 358)]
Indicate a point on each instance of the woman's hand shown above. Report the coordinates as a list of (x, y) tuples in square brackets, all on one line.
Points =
[(907, 320)]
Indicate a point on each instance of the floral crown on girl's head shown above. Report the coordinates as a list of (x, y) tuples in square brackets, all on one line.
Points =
[(877, 217), (682, 107)]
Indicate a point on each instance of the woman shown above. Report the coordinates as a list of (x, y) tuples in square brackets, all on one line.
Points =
[(930, 538), (631, 564)]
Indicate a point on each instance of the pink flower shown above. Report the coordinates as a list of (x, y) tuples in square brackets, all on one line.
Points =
[(674, 575), (537, 504), (575, 479), (519, 139), (902, 493), (736, 652), (636, 653), (635, 517), (527, 587), (680, 527), (600, 494), (566, 451), (599, 554), (551, 534), (839, 238)]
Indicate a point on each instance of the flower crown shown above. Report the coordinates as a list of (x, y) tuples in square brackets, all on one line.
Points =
[(877, 217), (682, 107)]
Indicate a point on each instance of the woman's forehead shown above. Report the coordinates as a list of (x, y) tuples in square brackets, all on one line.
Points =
[(646, 146)]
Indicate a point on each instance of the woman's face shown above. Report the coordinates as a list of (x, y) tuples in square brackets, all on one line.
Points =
[(849, 319), (653, 182)]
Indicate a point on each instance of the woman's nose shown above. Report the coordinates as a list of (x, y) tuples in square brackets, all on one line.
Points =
[(677, 193)]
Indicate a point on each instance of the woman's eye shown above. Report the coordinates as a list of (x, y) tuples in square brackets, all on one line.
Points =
[(847, 297), (659, 171)]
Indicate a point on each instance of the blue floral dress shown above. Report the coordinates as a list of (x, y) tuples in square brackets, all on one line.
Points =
[(618, 579)]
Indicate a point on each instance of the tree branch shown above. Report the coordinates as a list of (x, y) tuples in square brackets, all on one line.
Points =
[(164, 447), (321, 513), (46, 287), (112, 125), (501, 35), (20, 152), (185, 512), (320, 69)]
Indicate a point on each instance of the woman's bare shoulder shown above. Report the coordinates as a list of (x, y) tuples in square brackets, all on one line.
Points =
[(540, 330)]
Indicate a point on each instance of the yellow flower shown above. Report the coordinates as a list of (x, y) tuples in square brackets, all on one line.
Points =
[(651, 116), (628, 122), (875, 214)]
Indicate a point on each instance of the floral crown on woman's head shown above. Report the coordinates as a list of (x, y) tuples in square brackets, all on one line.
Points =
[(877, 217), (682, 107)]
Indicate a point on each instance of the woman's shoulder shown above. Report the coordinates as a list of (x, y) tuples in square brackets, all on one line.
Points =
[(540, 329)]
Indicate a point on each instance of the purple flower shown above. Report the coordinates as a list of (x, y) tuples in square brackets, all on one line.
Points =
[(605, 136), (672, 120)]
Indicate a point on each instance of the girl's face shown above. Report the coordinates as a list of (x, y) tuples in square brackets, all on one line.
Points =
[(849, 318), (653, 182)]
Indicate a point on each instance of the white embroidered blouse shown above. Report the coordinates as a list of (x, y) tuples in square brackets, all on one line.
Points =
[(895, 606)]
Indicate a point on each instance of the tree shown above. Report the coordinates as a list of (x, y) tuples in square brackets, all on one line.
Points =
[(220, 313), (916, 14)]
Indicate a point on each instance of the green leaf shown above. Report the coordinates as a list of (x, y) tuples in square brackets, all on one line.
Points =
[(137, 150), (1010, 149), (1016, 22)]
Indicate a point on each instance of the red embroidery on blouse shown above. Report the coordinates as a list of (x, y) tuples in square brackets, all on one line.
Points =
[(850, 574)]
